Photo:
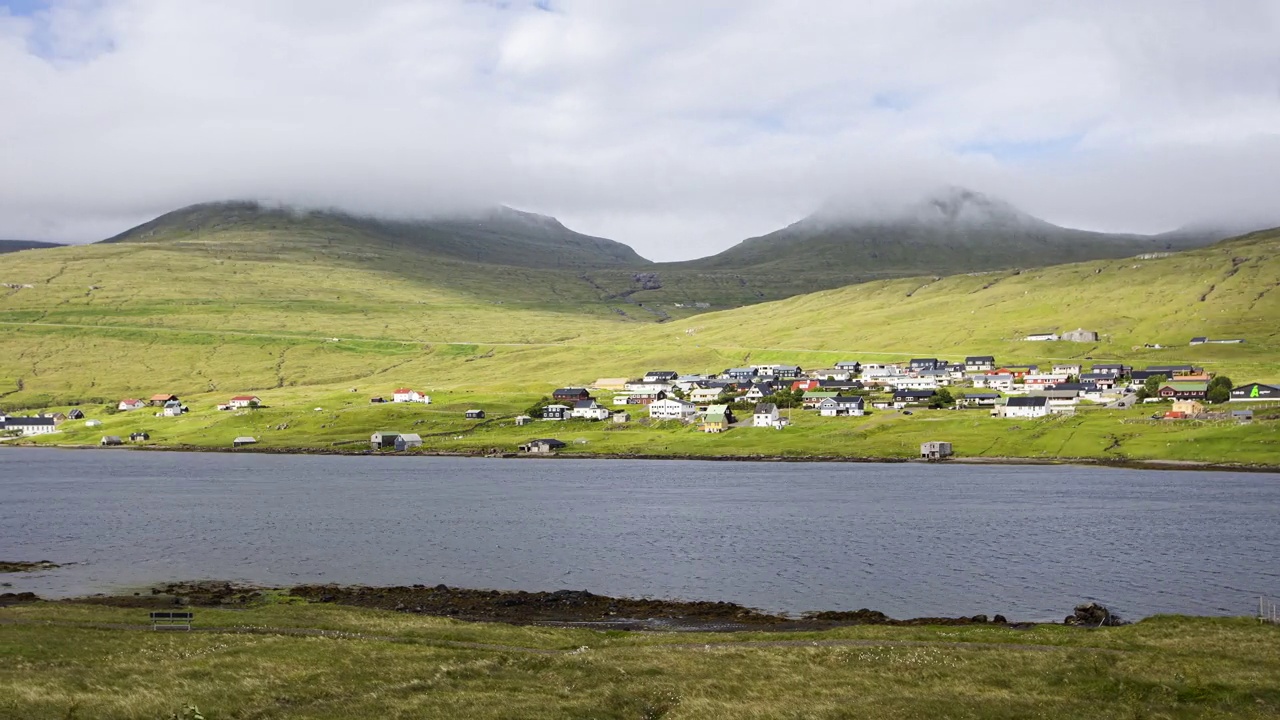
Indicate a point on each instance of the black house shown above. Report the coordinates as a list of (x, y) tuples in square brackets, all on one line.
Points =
[(571, 394)]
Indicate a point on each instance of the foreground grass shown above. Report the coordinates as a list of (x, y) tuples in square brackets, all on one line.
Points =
[(404, 666)]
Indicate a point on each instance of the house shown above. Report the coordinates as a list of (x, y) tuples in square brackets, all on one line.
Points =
[(27, 426), (622, 416), (979, 363), (590, 410), (830, 374), (903, 398), (759, 391), (717, 420), (130, 404), (1043, 379), (665, 376), (852, 366), (1080, 335), (979, 399), (245, 401), (673, 409), (1184, 390), (91, 423), (740, 374), (814, 398), (918, 364), (1174, 371), (1104, 381), (907, 382), (610, 384), (1199, 340), (766, 416), (706, 396), (1002, 382), (111, 441), (161, 399), (380, 440), (522, 420), (377, 400), (648, 387), (1018, 371), (475, 415), (570, 395), (1112, 369), (854, 406), (75, 414), (1242, 416), (542, 447), (243, 441), (409, 395), (1026, 407), (1041, 337), (1188, 408), (408, 441), (935, 450), (641, 398), (1255, 391), (1067, 370), (787, 372), (173, 408), (556, 412), (139, 437), (839, 385)]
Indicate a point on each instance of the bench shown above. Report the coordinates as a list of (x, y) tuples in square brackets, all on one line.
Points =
[(171, 620)]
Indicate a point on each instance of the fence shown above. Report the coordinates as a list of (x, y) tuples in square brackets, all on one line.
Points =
[(1268, 611)]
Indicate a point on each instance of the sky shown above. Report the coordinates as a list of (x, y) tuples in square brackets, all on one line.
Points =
[(677, 126)]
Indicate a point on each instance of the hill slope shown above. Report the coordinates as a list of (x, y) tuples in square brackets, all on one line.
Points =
[(499, 236), (8, 246)]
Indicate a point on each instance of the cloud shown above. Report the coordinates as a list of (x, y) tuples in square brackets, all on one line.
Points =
[(677, 127)]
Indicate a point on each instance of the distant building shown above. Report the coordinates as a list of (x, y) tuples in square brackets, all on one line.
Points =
[(589, 410), (935, 450), (1026, 407), (1255, 392), (130, 404), (475, 415), (853, 406), (766, 415), (570, 395), (111, 441), (161, 399), (408, 441), (717, 420), (244, 401), (1041, 337), (244, 440), (673, 409), (542, 447), (27, 426), (409, 395), (1080, 335), (979, 363), (556, 412), (384, 439)]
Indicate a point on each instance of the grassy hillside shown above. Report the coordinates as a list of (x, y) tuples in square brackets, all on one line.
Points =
[(132, 319), (324, 661)]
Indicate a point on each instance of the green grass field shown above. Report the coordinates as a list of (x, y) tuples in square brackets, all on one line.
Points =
[(61, 661), (217, 316)]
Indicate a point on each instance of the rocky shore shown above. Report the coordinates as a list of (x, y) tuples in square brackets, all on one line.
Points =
[(576, 608)]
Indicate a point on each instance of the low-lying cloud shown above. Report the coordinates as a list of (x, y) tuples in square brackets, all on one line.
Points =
[(677, 127)]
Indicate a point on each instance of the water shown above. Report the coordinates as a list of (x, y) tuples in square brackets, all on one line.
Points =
[(907, 539)]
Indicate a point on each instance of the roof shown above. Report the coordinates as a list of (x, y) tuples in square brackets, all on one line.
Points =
[(662, 373), (1038, 401), (547, 441), (1186, 386), (251, 397), (765, 408), (130, 401), (721, 409), (571, 391), (163, 397), (246, 439), (584, 404), (913, 393), (411, 437), (819, 394), (400, 391), (842, 400), (982, 395), (980, 358), (715, 418), (741, 371)]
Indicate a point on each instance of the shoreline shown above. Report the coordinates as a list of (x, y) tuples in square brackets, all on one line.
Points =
[(559, 608), (1130, 464)]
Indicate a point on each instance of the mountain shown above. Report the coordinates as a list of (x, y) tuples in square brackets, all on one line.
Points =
[(498, 236), (8, 246), (951, 231)]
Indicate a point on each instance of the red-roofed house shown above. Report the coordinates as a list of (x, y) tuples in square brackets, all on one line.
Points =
[(244, 401), (131, 404)]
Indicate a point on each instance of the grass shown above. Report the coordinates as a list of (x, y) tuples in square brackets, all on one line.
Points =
[(220, 315), (1165, 667)]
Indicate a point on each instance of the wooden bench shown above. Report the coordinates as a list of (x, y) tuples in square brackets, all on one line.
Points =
[(173, 620)]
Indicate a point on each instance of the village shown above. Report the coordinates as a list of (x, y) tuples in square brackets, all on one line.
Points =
[(764, 396)]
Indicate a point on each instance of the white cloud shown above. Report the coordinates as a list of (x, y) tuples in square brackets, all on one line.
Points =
[(679, 127)]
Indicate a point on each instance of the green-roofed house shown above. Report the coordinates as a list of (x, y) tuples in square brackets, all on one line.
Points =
[(717, 419), (814, 398), (1184, 390)]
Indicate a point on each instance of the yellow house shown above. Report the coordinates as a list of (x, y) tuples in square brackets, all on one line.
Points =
[(716, 420)]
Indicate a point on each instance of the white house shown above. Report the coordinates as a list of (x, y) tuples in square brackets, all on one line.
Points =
[(1026, 407), (766, 416), (648, 387), (1067, 370), (1041, 337), (1003, 383), (590, 410), (27, 426), (93, 423), (244, 401), (130, 404), (672, 409), (840, 374), (1044, 379), (905, 382), (409, 395), (705, 396), (833, 407), (408, 441)]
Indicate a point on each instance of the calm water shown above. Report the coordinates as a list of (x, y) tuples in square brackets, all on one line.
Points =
[(910, 540)]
